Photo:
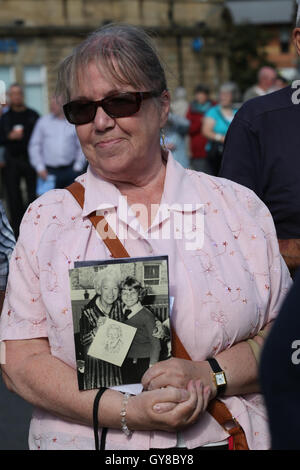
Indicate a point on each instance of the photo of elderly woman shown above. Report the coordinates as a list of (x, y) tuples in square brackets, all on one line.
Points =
[(145, 348), (98, 373)]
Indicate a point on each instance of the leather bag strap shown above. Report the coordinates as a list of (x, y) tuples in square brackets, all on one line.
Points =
[(216, 408)]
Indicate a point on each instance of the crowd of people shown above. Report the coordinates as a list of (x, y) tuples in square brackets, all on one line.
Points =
[(141, 143), (32, 148)]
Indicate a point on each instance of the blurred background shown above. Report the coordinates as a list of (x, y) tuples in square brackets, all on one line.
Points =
[(207, 41)]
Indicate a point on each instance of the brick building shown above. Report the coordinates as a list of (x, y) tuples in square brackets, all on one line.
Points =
[(36, 34), (277, 18)]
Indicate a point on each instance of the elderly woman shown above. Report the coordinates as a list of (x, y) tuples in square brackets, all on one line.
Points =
[(216, 123), (227, 284), (104, 304)]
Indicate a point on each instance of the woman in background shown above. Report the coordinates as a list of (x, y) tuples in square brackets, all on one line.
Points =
[(216, 123)]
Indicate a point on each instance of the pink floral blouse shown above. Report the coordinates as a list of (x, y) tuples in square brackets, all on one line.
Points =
[(225, 290)]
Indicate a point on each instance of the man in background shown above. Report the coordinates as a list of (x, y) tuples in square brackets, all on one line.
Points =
[(266, 81), (262, 152), (16, 126), (54, 148)]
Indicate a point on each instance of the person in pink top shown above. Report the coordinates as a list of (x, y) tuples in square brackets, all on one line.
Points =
[(226, 275)]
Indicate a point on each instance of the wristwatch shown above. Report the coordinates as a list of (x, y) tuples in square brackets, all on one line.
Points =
[(219, 376)]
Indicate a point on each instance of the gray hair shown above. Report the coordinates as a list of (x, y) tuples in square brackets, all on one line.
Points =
[(107, 273), (228, 87), (125, 53)]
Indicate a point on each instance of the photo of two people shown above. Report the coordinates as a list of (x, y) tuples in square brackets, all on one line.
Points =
[(121, 319)]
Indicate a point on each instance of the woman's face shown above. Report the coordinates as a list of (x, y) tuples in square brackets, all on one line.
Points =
[(201, 97), (129, 296), (119, 148), (108, 290), (225, 98)]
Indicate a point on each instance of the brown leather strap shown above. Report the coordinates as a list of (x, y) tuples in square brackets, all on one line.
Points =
[(112, 241), (216, 408)]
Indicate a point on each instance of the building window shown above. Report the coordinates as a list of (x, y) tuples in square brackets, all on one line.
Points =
[(7, 75), (35, 88), (151, 274), (284, 39)]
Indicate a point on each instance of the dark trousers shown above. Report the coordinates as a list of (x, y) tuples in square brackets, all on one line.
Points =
[(14, 170), (65, 175)]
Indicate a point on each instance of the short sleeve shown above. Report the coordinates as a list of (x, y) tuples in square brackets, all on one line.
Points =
[(24, 313), (211, 113)]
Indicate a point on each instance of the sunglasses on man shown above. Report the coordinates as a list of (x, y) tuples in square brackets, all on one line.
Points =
[(116, 106)]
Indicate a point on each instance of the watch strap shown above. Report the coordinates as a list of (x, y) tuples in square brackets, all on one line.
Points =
[(216, 368)]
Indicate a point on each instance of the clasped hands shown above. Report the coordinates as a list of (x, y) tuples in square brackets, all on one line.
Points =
[(176, 392)]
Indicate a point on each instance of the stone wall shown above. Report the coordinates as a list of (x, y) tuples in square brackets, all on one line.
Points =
[(45, 31)]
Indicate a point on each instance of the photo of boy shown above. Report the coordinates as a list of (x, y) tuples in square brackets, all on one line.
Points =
[(145, 348)]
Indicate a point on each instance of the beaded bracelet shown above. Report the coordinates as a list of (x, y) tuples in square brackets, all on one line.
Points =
[(123, 412)]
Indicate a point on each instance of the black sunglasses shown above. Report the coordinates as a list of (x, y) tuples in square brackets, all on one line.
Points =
[(116, 106)]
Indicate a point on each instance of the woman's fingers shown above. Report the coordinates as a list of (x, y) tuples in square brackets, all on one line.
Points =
[(174, 372), (166, 406), (169, 409), (187, 411), (200, 403)]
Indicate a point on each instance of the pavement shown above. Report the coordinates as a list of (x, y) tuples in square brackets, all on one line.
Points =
[(15, 416)]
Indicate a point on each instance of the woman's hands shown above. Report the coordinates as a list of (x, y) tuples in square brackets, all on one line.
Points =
[(178, 373), (169, 409)]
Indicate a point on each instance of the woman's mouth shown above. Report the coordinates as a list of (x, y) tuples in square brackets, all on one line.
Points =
[(108, 142)]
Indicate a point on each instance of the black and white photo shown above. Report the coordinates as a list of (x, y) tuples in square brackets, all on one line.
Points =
[(121, 318)]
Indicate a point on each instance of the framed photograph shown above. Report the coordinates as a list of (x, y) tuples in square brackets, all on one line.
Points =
[(121, 319)]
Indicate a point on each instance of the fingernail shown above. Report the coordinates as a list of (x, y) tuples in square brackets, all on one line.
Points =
[(156, 408)]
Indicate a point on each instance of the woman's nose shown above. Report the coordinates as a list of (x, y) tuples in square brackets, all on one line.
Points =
[(103, 121)]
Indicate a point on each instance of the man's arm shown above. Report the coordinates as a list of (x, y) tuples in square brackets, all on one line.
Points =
[(242, 161), (35, 148)]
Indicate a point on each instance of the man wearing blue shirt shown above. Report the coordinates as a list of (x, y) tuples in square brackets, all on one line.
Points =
[(54, 148)]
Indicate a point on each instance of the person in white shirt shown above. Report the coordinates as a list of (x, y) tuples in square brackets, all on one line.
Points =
[(54, 148), (266, 81)]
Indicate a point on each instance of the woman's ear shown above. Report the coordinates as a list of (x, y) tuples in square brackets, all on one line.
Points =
[(296, 39), (165, 101)]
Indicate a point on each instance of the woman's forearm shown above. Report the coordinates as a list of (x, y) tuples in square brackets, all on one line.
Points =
[(238, 363), (240, 367), (47, 382)]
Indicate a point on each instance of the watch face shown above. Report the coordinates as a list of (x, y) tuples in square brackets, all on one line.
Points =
[(220, 378)]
